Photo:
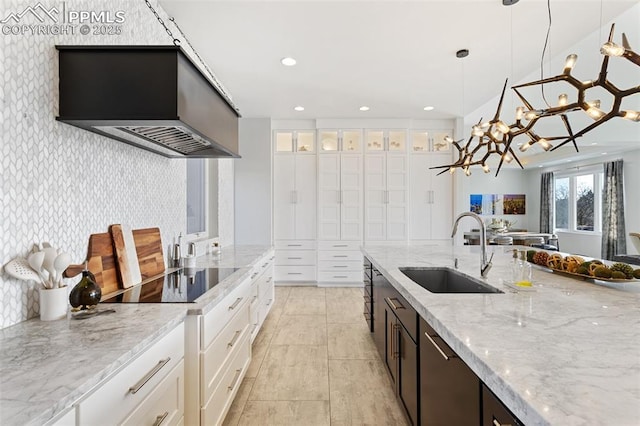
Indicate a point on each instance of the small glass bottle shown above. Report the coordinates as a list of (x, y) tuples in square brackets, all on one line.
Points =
[(515, 267)]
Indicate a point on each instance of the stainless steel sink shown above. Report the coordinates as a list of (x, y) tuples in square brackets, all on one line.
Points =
[(445, 280)]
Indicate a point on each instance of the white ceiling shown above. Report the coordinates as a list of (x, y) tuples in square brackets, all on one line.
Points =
[(394, 56)]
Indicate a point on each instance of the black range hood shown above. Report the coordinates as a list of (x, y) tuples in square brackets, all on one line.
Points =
[(152, 97)]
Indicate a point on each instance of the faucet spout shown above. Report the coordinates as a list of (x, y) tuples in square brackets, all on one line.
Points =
[(485, 265)]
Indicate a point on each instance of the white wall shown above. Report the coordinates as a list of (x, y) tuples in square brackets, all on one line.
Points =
[(253, 183)]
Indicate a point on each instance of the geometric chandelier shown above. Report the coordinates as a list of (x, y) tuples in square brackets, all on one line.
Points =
[(495, 137)]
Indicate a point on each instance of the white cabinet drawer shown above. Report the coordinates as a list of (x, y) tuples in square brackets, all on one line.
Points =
[(296, 257), (215, 320), (295, 273), (340, 277), (216, 357), (340, 255), (165, 405), (339, 245), (265, 305), (265, 284), (338, 266), (295, 245), (128, 388), (216, 408)]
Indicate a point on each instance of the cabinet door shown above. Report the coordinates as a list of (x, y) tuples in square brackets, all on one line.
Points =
[(391, 344), (494, 412), (305, 197), (420, 199), (329, 212), (351, 188), (449, 390), (397, 206), (408, 373), (441, 198), (379, 324), (375, 214), (283, 197), (283, 141), (328, 141)]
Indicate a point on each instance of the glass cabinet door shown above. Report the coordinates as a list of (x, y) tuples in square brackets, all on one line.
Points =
[(305, 141), (351, 140), (440, 140), (397, 140), (375, 140), (328, 140), (420, 141), (284, 141)]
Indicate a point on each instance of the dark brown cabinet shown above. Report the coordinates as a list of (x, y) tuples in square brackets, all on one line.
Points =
[(401, 354), (380, 289), (449, 390), (494, 413)]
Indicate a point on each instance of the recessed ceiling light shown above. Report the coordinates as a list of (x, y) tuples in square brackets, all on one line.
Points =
[(299, 108), (568, 161), (289, 62), (594, 143), (604, 153), (540, 165), (364, 108), (428, 108)]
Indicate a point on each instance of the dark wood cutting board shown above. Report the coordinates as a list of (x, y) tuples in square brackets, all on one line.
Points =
[(149, 248), (102, 263)]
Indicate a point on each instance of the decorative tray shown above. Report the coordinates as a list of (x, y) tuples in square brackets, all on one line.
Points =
[(583, 277)]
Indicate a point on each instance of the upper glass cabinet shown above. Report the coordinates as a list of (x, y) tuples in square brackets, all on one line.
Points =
[(430, 140), (294, 141), (386, 140), (340, 140)]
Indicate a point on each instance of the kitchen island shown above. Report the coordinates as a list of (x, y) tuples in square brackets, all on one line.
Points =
[(48, 367), (567, 353)]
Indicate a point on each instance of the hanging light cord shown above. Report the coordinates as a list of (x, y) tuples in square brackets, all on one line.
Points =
[(544, 50)]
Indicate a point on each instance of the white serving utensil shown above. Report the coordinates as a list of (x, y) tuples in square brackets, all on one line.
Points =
[(62, 262), (19, 268)]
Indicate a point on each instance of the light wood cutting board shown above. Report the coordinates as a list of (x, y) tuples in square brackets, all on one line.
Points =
[(149, 248), (126, 255)]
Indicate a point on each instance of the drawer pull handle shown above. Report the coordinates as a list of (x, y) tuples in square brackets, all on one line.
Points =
[(294, 273), (294, 258), (294, 245), (393, 305), (272, 257), (135, 388), (340, 245), (235, 339), (265, 265), (433, 342), (254, 299), (340, 255), (269, 279), (269, 303), (340, 266), (340, 276), (235, 380), (235, 304), (497, 423), (253, 275), (160, 419)]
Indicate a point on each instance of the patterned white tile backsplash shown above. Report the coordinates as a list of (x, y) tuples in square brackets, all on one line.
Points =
[(60, 183)]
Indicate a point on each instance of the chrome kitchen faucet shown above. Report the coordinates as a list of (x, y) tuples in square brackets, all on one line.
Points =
[(484, 265)]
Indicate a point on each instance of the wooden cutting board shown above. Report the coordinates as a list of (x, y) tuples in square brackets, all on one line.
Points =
[(124, 248), (149, 248), (102, 263)]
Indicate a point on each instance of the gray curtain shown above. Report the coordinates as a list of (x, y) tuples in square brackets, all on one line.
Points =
[(614, 240), (546, 203)]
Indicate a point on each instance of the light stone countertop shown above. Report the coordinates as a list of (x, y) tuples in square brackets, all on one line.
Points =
[(565, 354), (45, 367)]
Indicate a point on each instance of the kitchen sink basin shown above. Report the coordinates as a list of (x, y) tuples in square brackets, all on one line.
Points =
[(445, 280)]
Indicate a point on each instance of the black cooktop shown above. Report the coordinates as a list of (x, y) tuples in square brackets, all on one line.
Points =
[(183, 286)]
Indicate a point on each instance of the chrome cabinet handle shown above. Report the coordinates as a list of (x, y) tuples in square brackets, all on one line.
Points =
[(339, 276), (294, 273), (160, 419), (294, 258), (393, 305), (235, 339), (235, 304), (135, 388), (292, 245), (269, 303), (497, 423), (253, 275), (340, 266), (433, 342), (340, 255), (340, 245), (235, 380)]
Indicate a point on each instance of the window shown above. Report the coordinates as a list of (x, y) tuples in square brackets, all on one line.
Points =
[(578, 197), (196, 196)]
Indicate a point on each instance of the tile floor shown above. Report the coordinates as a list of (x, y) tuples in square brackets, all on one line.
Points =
[(314, 363)]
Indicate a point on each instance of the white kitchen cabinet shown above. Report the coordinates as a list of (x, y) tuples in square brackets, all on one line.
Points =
[(386, 140), (295, 261), (294, 195), (339, 140), (67, 419), (431, 140), (262, 292), (302, 141), (146, 388), (431, 198), (386, 206)]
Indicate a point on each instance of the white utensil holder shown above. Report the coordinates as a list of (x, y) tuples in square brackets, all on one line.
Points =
[(53, 303)]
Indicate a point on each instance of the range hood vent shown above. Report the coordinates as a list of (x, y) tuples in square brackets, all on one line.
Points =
[(151, 97)]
